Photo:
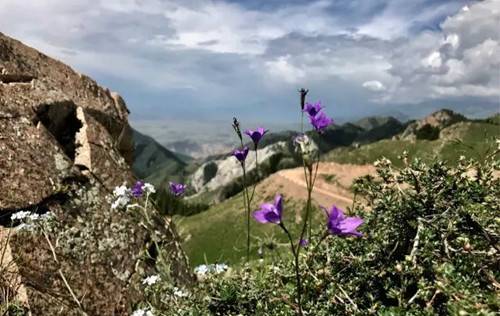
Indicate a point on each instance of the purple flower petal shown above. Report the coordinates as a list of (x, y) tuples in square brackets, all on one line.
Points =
[(138, 189), (278, 203), (312, 109), (320, 121), (177, 189), (339, 224), (270, 213), (241, 154), (256, 135), (273, 217), (260, 216)]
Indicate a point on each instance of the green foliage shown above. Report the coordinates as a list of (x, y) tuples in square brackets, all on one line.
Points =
[(428, 132), (168, 204), (430, 247), (209, 171)]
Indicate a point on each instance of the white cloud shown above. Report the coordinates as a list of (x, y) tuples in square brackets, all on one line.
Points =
[(433, 60), (229, 28), (213, 50), (282, 69), (374, 85), (461, 60)]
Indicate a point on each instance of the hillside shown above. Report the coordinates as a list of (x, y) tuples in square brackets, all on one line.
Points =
[(155, 163), (472, 139), (215, 241), (207, 236), (219, 177)]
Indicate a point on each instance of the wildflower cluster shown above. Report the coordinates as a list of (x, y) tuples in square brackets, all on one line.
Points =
[(427, 245), (142, 312), (30, 220), (205, 269), (241, 155), (123, 195), (318, 119)]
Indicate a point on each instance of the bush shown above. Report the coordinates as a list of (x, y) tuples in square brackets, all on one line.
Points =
[(430, 247), (427, 132), (209, 171)]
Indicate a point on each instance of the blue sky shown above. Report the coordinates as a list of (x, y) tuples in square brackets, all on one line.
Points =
[(198, 59)]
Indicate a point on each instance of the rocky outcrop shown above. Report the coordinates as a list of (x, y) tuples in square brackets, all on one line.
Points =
[(65, 143), (223, 171), (430, 126)]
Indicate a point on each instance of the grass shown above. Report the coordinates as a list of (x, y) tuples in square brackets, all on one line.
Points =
[(219, 234), (470, 139)]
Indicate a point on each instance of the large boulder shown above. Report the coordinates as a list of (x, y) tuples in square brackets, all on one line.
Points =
[(65, 143)]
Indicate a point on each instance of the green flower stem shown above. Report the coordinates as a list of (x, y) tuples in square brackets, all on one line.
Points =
[(257, 171), (246, 202), (157, 246), (295, 252), (312, 181)]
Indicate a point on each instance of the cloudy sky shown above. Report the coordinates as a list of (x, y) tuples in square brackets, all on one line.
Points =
[(215, 59)]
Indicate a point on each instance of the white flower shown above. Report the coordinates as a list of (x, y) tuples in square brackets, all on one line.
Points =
[(150, 280), (148, 188), (180, 293), (201, 269), (47, 216), (142, 312), (122, 195), (20, 215), (120, 202), (221, 267), (212, 268), (34, 216), (120, 191)]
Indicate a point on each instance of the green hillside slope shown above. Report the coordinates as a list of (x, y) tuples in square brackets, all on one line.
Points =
[(471, 139), (154, 162)]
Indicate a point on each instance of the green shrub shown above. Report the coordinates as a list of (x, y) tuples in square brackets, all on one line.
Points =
[(427, 132), (430, 247), (209, 171)]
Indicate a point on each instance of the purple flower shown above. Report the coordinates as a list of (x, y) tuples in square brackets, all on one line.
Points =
[(303, 242), (257, 134), (177, 189), (320, 121), (270, 213), (138, 189), (313, 109), (339, 224), (241, 154)]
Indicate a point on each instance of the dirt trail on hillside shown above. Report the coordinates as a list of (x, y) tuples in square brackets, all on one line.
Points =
[(331, 187)]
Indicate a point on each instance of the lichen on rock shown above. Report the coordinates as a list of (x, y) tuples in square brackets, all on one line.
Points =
[(65, 143)]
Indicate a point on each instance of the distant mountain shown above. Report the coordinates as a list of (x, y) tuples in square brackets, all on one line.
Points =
[(364, 131), (430, 126), (219, 177), (154, 162)]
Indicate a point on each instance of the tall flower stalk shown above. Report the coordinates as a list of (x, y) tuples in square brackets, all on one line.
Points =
[(309, 152), (337, 222), (241, 155)]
